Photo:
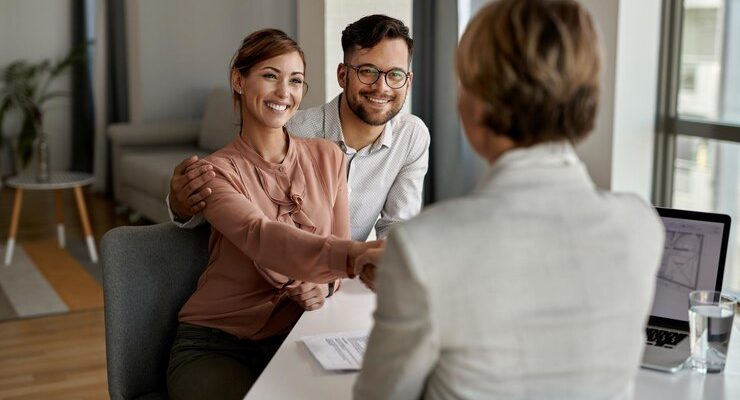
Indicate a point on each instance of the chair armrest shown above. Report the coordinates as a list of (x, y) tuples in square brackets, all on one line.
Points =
[(153, 133)]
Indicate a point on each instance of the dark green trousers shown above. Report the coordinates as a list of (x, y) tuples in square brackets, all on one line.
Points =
[(207, 363)]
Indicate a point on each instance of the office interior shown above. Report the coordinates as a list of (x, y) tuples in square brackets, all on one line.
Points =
[(668, 127)]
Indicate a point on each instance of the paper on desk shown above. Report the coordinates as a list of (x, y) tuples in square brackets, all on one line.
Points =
[(340, 351)]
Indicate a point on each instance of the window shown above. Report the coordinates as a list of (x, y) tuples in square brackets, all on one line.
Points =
[(699, 130), (466, 9)]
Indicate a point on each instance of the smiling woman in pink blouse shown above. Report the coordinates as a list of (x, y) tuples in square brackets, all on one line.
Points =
[(280, 231)]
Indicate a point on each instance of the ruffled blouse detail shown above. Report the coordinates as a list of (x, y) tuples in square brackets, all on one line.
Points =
[(284, 184), (287, 192)]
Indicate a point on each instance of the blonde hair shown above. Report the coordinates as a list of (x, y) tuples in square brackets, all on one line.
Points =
[(536, 64)]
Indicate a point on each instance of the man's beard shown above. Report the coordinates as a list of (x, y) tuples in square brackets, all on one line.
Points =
[(374, 118)]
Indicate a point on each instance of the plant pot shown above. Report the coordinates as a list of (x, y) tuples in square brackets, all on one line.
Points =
[(41, 147)]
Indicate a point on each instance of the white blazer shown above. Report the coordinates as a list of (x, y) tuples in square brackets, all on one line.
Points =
[(536, 286)]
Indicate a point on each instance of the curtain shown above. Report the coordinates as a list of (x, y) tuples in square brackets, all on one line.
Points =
[(112, 77), (83, 115), (99, 85), (453, 167)]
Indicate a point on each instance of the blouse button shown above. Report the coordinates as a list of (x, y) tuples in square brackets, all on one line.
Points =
[(281, 168)]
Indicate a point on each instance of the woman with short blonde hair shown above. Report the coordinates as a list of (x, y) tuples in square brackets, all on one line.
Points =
[(539, 73), (537, 285)]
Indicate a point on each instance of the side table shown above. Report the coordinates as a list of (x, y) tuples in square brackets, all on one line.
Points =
[(57, 182)]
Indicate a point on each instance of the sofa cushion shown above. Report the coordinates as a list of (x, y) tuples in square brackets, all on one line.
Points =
[(150, 171), (220, 123)]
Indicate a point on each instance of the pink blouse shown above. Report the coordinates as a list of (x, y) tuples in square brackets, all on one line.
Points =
[(273, 226)]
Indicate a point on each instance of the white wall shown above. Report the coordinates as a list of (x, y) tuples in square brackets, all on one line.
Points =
[(619, 153), (595, 151), (180, 49), (636, 96), (35, 30), (312, 39)]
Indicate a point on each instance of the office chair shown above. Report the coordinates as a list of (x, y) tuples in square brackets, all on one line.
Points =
[(148, 274)]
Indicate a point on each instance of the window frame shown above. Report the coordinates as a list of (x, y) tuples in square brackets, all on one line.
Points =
[(669, 124)]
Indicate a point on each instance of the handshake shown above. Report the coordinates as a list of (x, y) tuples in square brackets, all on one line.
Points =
[(363, 259)]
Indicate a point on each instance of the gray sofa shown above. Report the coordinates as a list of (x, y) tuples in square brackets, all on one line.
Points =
[(145, 154)]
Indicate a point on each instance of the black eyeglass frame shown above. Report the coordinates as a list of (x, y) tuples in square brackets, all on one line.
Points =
[(407, 74)]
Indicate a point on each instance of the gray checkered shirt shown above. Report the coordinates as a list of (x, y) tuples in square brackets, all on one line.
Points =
[(384, 179)]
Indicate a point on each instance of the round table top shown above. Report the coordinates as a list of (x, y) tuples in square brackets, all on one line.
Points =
[(57, 180)]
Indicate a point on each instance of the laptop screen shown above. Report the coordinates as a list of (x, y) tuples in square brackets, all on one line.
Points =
[(693, 259)]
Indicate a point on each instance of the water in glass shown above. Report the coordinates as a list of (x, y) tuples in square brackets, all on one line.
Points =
[(711, 326)]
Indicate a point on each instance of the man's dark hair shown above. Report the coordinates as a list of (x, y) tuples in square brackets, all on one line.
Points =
[(368, 31)]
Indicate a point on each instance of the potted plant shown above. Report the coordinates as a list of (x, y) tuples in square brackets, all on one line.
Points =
[(25, 87)]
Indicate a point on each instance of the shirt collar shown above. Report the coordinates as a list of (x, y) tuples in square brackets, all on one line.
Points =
[(548, 155), (386, 137), (332, 123), (333, 127)]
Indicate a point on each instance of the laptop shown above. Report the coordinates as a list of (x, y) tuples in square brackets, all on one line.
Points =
[(693, 259)]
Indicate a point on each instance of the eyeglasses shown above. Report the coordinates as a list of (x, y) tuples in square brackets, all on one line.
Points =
[(395, 78)]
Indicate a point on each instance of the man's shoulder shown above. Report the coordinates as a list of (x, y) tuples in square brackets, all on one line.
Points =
[(307, 123), (411, 129), (309, 113), (408, 121)]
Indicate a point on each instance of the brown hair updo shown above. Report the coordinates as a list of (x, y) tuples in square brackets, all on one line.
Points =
[(257, 47)]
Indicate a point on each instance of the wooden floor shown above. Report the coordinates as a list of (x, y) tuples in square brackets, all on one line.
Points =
[(63, 356), (59, 357)]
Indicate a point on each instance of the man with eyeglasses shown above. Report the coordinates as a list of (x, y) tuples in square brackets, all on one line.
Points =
[(387, 151)]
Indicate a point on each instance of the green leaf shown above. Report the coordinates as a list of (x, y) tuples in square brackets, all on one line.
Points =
[(77, 54), (25, 86)]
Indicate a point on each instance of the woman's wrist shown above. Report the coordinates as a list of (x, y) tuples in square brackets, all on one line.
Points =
[(355, 250)]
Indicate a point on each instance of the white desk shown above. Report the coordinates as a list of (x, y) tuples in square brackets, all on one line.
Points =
[(294, 374)]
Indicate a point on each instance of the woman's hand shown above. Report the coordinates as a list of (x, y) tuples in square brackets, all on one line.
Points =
[(364, 258), (369, 261), (310, 296), (357, 249)]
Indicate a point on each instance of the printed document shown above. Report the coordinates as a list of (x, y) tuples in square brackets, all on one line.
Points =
[(341, 351)]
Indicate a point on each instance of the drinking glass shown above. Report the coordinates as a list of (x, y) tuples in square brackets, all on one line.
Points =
[(710, 325)]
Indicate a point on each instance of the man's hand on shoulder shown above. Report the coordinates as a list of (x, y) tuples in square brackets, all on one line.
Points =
[(189, 187)]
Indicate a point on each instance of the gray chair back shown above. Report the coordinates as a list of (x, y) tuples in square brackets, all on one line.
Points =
[(148, 274)]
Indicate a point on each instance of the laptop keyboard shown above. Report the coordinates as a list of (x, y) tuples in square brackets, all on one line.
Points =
[(661, 338)]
